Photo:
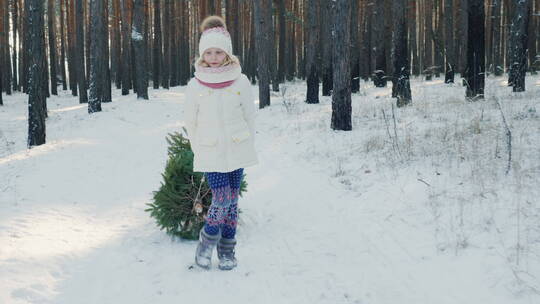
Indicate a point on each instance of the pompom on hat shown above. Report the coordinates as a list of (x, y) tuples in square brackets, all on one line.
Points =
[(215, 35)]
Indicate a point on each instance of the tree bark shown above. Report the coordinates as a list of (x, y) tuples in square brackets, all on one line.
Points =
[(401, 87), (52, 46), (81, 74), (312, 95), (378, 45), (498, 68), (449, 41), (15, 21), (139, 47), (36, 51), (355, 49), (475, 76), (96, 48), (166, 45), (63, 45), (341, 95), (263, 56), (126, 48), (156, 48), (326, 24), (519, 41)]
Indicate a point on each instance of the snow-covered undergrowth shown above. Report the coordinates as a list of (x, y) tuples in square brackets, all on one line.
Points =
[(413, 206), (458, 150)]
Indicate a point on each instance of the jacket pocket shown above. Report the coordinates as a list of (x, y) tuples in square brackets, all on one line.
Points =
[(205, 137), (240, 131), (241, 136)]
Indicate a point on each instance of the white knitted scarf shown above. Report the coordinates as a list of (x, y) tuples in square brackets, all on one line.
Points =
[(217, 75)]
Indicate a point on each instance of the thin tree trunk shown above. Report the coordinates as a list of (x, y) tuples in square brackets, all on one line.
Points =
[(81, 74), (96, 48), (428, 48), (106, 69), (498, 68), (15, 21), (402, 88), (36, 95), (312, 95), (52, 45), (72, 48), (116, 62), (413, 37), (341, 94), (263, 57), (63, 45), (5, 58), (166, 45), (126, 48), (156, 51), (449, 41), (139, 46), (475, 51), (355, 49), (519, 40), (327, 74), (378, 44)]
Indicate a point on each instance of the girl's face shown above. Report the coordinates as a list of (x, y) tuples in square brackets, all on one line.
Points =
[(214, 57)]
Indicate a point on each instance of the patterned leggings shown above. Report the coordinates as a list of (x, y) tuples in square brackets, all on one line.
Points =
[(223, 212)]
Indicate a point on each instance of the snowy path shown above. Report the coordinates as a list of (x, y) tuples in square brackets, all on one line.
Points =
[(73, 227)]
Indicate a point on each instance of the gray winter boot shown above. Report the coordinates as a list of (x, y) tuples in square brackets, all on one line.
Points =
[(225, 250), (203, 254)]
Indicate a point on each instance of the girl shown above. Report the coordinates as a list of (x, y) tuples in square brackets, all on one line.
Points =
[(219, 116)]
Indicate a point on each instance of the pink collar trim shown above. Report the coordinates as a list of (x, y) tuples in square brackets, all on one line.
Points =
[(218, 85)]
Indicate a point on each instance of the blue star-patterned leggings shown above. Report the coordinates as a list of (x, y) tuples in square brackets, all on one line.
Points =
[(223, 212)]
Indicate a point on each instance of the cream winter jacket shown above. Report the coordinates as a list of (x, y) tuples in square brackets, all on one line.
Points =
[(221, 125)]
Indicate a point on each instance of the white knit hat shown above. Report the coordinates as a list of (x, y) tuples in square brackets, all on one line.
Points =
[(216, 37)]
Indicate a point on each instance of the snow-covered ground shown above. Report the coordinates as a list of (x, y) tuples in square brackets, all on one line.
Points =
[(412, 206)]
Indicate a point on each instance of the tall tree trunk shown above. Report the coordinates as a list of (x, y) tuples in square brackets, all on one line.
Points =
[(116, 56), (498, 68), (15, 21), (463, 37), (365, 59), (312, 95), (326, 24), (36, 51), (72, 47), (378, 44), (63, 45), (156, 51), (341, 94), (402, 87), (52, 45), (282, 40), (139, 46), (532, 36), (263, 57), (449, 41), (166, 45), (355, 49), (428, 48), (475, 51), (106, 92), (81, 74), (126, 48), (88, 44), (5, 58), (519, 39), (412, 7), (96, 52)]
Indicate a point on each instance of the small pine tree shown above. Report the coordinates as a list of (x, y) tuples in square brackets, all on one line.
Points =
[(182, 201)]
